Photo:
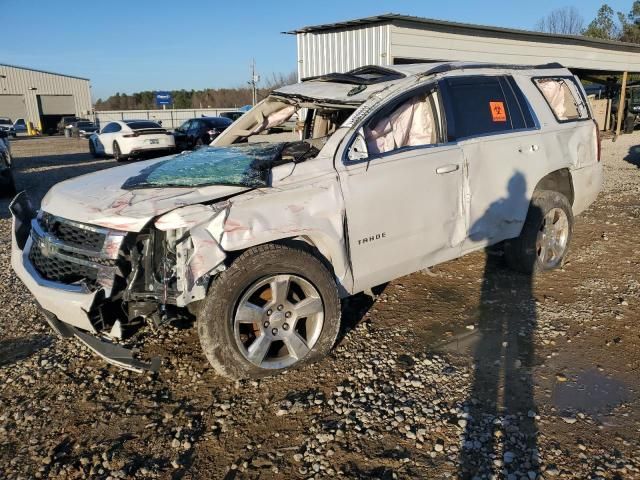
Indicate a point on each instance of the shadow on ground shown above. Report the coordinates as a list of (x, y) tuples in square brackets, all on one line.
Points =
[(15, 349), (633, 156)]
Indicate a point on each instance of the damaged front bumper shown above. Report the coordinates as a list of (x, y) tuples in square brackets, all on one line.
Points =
[(67, 307)]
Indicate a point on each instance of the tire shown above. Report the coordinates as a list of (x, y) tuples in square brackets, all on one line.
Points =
[(92, 150), (221, 336), (7, 182), (548, 212), (629, 123), (117, 154), (199, 143)]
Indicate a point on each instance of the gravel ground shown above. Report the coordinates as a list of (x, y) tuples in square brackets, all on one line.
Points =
[(469, 372)]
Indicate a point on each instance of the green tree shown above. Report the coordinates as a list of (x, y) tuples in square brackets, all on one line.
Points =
[(604, 26), (630, 24)]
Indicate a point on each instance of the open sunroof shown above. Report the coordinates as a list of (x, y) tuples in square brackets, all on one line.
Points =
[(368, 75)]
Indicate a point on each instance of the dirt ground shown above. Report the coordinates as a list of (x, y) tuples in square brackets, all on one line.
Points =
[(469, 372)]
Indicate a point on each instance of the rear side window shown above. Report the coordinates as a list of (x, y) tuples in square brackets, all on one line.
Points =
[(564, 98), (482, 105)]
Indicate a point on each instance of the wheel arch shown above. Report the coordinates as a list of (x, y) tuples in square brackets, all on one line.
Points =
[(330, 253), (559, 181)]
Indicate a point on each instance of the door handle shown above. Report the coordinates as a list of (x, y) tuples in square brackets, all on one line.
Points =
[(447, 169)]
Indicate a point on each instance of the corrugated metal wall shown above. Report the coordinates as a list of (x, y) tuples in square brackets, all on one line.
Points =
[(320, 53), (22, 81), (169, 118)]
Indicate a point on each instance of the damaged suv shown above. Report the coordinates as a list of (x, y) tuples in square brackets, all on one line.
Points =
[(395, 170)]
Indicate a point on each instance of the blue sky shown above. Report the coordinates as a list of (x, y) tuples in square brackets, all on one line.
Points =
[(129, 46)]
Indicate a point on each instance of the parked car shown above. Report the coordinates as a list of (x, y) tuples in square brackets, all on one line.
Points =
[(233, 116), (6, 125), (398, 169), (131, 138), (199, 131), (7, 183), (64, 125), (83, 128)]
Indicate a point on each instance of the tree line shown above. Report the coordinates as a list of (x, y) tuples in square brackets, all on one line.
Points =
[(607, 24), (207, 98)]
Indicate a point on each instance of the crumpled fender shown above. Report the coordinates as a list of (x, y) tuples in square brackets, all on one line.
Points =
[(312, 212)]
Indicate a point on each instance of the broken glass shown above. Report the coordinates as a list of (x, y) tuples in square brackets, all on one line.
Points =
[(245, 165)]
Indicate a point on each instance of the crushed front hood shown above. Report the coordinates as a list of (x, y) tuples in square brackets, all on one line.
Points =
[(99, 198)]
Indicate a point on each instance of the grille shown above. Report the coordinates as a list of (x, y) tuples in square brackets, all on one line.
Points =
[(59, 269), (77, 237)]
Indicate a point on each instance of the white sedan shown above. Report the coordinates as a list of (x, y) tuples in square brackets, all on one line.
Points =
[(131, 138)]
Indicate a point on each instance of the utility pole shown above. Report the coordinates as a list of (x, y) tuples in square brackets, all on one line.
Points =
[(255, 78)]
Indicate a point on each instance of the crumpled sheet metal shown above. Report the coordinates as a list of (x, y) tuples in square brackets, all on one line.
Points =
[(199, 253), (314, 212)]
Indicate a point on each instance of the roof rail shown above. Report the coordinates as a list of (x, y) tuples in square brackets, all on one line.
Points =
[(448, 67)]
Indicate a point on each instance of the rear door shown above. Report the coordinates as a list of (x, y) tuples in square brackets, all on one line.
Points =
[(403, 199), (489, 117)]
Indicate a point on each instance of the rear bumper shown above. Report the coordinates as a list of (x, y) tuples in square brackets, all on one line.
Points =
[(151, 148)]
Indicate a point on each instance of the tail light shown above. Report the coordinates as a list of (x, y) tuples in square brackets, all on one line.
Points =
[(598, 140), (129, 135), (214, 131)]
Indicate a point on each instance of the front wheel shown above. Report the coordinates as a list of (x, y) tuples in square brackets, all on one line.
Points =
[(92, 150), (274, 309), (544, 240)]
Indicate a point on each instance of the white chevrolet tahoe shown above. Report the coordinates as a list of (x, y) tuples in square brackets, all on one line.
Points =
[(396, 169)]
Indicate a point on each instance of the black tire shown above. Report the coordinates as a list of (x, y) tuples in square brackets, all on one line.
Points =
[(629, 123), (92, 150), (199, 143), (521, 253), (117, 154), (7, 183), (215, 318)]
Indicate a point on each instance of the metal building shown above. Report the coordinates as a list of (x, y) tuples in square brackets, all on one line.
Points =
[(393, 39), (397, 39), (42, 97)]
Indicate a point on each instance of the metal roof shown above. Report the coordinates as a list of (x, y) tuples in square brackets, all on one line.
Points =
[(472, 29), (42, 71)]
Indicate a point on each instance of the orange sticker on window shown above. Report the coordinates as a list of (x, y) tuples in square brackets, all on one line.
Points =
[(498, 112)]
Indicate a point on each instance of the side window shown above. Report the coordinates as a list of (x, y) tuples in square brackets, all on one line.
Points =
[(481, 105), (195, 126), (410, 123), (185, 126), (563, 97), (111, 128)]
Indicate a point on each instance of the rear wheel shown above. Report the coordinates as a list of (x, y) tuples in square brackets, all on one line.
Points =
[(629, 123), (274, 309), (117, 153), (199, 143), (545, 237)]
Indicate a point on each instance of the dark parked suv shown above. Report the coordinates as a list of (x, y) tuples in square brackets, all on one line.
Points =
[(7, 185), (199, 131)]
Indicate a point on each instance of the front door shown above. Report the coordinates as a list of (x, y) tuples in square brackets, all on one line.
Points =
[(404, 201)]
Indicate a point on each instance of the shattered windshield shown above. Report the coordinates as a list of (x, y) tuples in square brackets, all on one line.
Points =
[(242, 165)]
